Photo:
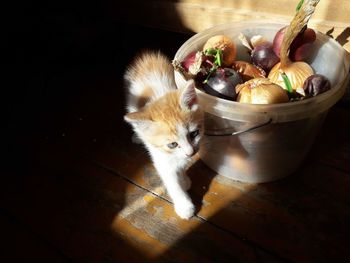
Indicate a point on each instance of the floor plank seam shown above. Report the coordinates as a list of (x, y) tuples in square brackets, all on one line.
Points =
[(335, 167), (111, 170), (202, 219), (243, 239)]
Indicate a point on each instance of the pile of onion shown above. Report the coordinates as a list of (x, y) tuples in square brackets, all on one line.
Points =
[(288, 74), (269, 77)]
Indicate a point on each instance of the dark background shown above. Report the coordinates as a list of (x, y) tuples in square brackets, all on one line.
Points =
[(51, 52)]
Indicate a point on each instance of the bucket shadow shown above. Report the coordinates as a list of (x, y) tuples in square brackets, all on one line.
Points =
[(342, 38)]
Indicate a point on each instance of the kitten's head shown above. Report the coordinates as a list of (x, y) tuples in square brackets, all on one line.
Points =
[(172, 123)]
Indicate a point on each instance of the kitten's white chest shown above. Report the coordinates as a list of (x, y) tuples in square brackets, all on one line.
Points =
[(168, 161)]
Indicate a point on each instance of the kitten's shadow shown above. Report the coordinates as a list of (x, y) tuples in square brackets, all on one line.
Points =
[(201, 177)]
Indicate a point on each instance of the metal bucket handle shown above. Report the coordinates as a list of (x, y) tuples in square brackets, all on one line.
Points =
[(216, 132)]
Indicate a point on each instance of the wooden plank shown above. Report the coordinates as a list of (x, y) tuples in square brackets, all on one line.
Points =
[(295, 218), (92, 215), (330, 17), (68, 209), (19, 244), (332, 146), (295, 229), (326, 9)]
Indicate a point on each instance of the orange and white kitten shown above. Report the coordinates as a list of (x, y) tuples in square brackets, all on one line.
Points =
[(167, 120)]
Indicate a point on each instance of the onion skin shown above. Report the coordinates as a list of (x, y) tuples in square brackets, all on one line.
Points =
[(188, 60), (297, 73), (261, 91), (248, 71), (227, 46)]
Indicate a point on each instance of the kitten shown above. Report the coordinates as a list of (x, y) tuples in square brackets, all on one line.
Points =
[(167, 120)]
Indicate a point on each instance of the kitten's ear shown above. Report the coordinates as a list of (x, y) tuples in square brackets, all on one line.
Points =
[(137, 118), (188, 97)]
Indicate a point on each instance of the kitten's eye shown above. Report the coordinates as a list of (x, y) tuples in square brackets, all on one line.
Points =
[(172, 145), (194, 134)]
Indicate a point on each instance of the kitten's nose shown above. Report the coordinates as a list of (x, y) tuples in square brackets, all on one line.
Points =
[(190, 153), (188, 149)]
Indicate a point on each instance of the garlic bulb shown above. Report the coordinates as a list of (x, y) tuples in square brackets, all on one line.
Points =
[(261, 91), (291, 75)]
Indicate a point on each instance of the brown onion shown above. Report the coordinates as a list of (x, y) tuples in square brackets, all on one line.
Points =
[(261, 91), (297, 73), (224, 43)]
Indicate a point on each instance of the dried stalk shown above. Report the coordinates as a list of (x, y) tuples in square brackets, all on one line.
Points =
[(298, 23)]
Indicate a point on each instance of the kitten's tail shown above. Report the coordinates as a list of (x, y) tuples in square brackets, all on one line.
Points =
[(148, 77)]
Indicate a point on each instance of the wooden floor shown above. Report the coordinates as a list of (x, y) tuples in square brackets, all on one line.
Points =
[(75, 188)]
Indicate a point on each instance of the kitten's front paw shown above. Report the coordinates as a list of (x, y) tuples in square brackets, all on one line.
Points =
[(184, 209), (185, 182)]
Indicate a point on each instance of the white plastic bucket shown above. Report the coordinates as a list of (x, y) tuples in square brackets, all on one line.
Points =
[(262, 143)]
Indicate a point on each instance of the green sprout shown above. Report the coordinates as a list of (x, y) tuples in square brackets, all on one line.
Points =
[(299, 5), (217, 53), (287, 82), (212, 70)]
